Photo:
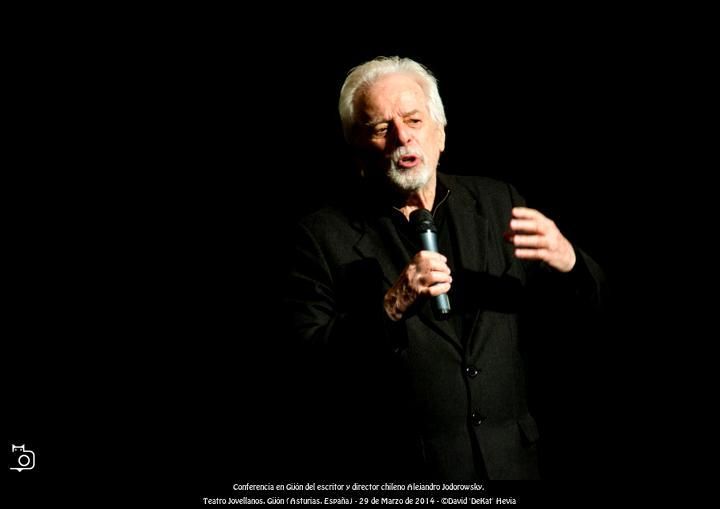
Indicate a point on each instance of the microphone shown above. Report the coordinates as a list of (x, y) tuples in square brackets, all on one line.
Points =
[(422, 222)]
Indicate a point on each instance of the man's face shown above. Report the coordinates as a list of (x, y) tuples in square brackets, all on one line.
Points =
[(397, 136)]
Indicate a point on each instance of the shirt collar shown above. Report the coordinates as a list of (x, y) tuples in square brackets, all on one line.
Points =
[(442, 193)]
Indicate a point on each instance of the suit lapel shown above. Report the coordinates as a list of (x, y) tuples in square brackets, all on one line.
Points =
[(470, 227), (379, 241)]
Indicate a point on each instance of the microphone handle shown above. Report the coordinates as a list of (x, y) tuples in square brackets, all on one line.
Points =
[(441, 303)]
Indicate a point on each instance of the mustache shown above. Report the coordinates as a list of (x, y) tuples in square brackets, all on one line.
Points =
[(401, 152)]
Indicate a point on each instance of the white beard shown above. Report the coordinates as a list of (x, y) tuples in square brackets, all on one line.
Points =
[(411, 179)]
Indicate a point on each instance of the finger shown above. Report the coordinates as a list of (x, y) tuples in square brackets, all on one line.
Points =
[(434, 278), (431, 255), (535, 241), (439, 277), (439, 267), (427, 261), (526, 213), (438, 289), (532, 254), (525, 225)]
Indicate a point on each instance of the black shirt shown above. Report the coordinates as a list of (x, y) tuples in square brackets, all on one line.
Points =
[(447, 245)]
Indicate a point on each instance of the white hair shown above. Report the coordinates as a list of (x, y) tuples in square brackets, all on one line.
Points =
[(364, 75)]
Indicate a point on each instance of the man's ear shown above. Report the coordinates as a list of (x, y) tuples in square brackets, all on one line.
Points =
[(442, 138), (357, 159), (359, 167)]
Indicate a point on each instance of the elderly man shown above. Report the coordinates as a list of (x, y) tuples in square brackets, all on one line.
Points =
[(418, 395)]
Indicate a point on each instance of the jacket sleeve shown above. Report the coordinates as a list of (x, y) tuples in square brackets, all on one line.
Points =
[(584, 287)]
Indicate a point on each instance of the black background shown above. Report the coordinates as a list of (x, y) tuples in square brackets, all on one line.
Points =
[(155, 169)]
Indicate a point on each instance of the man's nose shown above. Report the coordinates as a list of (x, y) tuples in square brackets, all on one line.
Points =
[(402, 133)]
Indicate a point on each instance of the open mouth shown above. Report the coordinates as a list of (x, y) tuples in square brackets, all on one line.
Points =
[(408, 161)]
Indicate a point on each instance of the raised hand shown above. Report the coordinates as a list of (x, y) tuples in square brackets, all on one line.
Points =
[(536, 237)]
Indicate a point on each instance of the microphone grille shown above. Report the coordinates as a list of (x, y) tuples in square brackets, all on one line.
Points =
[(422, 220)]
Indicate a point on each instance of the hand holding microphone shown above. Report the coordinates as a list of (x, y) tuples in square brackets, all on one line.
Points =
[(426, 276), (422, 222)]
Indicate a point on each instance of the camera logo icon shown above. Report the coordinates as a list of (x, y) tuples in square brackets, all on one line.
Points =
[(25, 458)]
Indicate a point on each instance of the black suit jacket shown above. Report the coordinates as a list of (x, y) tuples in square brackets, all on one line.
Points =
[(413, 399)]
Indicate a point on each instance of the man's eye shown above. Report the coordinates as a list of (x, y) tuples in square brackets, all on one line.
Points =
[(414, 121), (380, 130)]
